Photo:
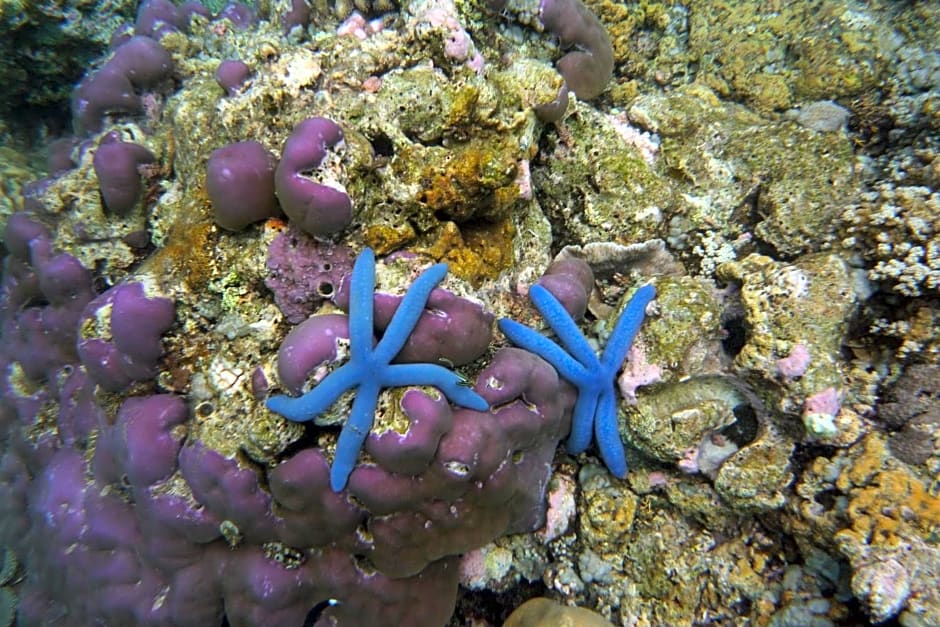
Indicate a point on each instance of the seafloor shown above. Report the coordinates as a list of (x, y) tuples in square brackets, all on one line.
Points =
[(770, 167)]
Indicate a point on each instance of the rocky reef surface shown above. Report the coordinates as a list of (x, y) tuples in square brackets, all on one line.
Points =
[(181, 224)]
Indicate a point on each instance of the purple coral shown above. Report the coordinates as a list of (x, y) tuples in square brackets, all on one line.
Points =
[(302, 272), (410, 453), (43, 296), (138, 63), (231, 75), (588, 67), (59, 155), (240, 184), (571, 281), (451, 328), (315, 207), (156, 18), (297, 17), (313, 344), (142, 445), (121, 334), (117, 165), (487, 476), (119, 521), (240, 15)]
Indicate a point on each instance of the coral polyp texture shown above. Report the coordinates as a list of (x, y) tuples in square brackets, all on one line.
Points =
[(405, 313)]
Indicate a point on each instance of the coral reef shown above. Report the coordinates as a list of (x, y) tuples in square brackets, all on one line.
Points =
[(323, 208)]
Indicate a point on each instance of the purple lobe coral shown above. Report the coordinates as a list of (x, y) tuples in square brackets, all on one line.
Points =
[(587, 69), (569, 280), (138, 63), (156, 18), (121, 333), (43, 293), (117, 166), (450, 328), (231, 75), (240, 184), (316, 208)]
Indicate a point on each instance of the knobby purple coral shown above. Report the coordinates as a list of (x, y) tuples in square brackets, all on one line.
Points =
[(318, 208), (138, 63), (117, 164), (240, 184)]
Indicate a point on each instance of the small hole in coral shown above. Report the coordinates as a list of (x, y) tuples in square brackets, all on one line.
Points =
[(826, 498), (743, 430), (735, 336), (204, 409), (383, 146), (325, 289)]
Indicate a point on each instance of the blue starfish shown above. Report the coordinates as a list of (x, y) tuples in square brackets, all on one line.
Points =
[(370, 369), (596, 407)]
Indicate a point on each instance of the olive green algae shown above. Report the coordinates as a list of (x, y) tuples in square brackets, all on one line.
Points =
[(738, 170)]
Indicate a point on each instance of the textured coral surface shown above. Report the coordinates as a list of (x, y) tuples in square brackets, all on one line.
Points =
[(185, 190)]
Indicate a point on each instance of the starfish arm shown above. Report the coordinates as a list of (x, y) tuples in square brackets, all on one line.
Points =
[(535, 342), (454, 387), (628, 325), (318, 400), (607, 433), (563, 325), (582, 423), (361, 312), (408, 313), (354, 433)]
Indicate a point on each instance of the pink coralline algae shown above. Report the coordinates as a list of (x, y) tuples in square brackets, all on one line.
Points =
[(637, 372), (302, 272), (795, 364), (825, 402)]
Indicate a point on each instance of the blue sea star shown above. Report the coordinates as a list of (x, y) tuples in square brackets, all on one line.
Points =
[(370, 369), (596, 407)]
